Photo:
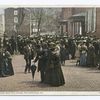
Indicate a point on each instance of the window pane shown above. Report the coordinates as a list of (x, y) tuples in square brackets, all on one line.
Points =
[(15, 19), (15, 12)]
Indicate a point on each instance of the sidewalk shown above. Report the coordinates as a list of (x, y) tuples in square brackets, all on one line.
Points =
[(77, 78)]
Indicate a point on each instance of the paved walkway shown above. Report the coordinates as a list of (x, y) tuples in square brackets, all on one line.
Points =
[(77, 79)]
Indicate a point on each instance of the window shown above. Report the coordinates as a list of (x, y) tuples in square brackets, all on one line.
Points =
[(15, 19), (15, 12)]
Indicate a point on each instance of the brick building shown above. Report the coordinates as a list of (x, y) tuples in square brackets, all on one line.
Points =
[(64, 23), (81, 21), (17, 20)]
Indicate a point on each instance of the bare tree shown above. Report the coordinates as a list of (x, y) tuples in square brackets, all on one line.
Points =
[(37, 15), (47, 19), (52, 19)]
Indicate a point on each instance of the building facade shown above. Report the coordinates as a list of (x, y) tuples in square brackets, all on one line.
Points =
[(64, 23), (81, 21), (17, 21), (2, 26)]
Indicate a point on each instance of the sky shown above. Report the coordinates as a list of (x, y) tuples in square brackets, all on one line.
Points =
[(1, 10)]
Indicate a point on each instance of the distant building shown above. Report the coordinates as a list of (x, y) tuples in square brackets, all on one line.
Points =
[(18, 21), (15, 21), (64, 23), (2, 25), (81, 21)]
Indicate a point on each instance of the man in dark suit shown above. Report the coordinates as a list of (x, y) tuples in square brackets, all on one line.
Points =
[(42, 61), (27, 57)]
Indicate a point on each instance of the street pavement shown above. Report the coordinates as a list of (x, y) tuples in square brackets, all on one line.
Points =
[(76, 78)]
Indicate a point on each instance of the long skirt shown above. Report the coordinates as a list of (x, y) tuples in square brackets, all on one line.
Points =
[(7, 68), (83, 59), (91, 60), (54, 77)]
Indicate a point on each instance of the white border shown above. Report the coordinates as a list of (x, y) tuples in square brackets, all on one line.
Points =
[(51, 3), (57, 4), (51, 93)]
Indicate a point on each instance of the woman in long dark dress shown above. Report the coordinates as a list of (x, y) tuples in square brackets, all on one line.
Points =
[(83, 55), (1, 62), (91, 56), (54, 75), (7, 68)]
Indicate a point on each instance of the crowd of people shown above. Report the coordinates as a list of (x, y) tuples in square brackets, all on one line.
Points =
[(89, 51), (50, 52)]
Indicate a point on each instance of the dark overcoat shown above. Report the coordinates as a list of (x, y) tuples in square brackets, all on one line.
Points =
[(54, 75), (42, 60)]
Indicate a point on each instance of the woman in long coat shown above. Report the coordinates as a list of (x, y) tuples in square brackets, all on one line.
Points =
[(91, 56), (1, 62), (54, 75), (7, 68), (83, 55), (7, 64)]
